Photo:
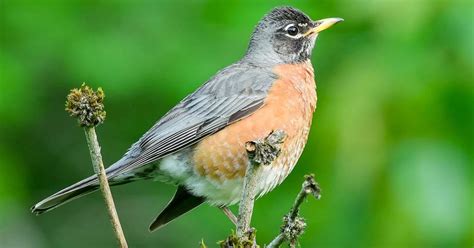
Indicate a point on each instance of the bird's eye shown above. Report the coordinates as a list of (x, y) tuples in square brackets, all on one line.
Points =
[(292, 30)]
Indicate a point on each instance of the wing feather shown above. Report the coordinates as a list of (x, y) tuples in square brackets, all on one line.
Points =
[(234, 93)]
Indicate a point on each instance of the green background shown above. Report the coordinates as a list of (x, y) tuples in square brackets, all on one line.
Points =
[(391, 142)]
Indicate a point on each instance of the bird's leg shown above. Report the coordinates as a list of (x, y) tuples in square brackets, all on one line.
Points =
[(229, 214)]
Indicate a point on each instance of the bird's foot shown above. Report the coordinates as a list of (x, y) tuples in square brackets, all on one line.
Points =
[(229, 214)]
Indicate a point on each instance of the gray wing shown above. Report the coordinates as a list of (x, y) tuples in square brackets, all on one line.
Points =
[(232, 94)]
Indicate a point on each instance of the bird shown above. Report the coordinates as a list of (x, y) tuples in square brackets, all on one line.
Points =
[(199, 145)]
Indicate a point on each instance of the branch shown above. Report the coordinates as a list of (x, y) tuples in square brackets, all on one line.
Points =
[(88, 107), (294, 225), (260, 152)]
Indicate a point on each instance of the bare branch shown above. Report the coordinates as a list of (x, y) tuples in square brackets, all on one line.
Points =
[(87, 106), (294, 225), (260, 152), (98, 165)]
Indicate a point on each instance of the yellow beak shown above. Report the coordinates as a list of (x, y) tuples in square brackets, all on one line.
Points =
[(323, 24)]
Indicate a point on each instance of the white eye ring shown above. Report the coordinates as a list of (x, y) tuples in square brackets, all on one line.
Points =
[(296, 36)]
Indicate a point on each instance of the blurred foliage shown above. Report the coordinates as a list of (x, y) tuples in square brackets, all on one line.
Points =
[(391, 144)]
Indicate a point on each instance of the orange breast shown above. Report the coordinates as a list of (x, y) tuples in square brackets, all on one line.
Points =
[(289, 106)]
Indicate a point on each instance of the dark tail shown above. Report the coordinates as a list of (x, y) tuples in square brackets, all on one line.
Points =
[(81, 188), (182, 202), (70, 193)]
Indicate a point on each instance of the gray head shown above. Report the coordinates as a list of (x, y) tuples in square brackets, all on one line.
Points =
[(285, 35)]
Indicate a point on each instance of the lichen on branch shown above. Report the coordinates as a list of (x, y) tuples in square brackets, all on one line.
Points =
[(86, 105), (264, 152), (294, 225)]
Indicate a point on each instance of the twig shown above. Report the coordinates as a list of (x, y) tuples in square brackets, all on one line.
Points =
[(98, 165), (88, 107), (310, 186), (294, 225), (277, 241), (247, 200), (260, 152)]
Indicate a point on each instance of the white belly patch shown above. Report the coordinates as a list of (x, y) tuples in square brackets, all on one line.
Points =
[(177, 169)]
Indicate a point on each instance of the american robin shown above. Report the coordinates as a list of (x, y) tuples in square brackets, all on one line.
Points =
[(199, 144)]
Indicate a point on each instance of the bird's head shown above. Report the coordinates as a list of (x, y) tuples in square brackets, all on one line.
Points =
[(285, 35)]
